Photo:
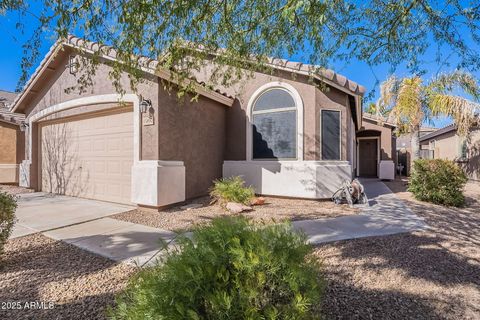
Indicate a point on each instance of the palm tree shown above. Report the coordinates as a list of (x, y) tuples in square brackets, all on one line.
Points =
[(410, 102)]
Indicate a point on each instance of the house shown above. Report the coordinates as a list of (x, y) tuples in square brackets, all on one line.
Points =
[(446, 143), (283, 134), (11, 139), (376, 144), (404, 149)]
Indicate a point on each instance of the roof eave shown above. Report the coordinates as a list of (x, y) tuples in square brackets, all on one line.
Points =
[(34, 78), (54, 49)]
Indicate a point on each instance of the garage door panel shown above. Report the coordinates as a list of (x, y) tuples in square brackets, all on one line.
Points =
[(89, 158)]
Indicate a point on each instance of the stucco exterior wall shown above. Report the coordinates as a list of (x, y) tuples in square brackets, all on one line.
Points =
[(195, 134), (387, 143), (236, 134), (8, 143), (11, 152), (53, 92), (449, 146), (445, 146), (314, 100)]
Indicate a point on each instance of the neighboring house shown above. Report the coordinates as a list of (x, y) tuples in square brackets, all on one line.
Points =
[(11, 139), (446, 143), (404, 149), (376, 144), (285, 136)]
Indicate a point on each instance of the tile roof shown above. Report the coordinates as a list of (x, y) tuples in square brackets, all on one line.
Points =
[(322, 74), (6, 99), (436, 133), (150, 65), (147, 64), (378, 119)]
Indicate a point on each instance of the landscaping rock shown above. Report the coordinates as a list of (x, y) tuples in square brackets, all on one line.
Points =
[(258, 201), (174, 218), (234, 207)]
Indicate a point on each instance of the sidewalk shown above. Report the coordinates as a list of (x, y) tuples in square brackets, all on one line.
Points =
[(139, 244), (386, 214)]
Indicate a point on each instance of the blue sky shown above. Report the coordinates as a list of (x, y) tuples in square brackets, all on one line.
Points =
[(12, 39)]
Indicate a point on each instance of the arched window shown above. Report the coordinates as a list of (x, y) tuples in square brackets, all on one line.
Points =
[(274, 125)]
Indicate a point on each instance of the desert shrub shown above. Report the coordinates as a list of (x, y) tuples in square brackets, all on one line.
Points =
[(231, 269), (438, 181), (8, 205), (232, 189)]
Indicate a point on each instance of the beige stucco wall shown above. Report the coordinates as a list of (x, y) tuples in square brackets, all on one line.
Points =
[(202, 134), (387, 141), (449, 146), (195, 134), (191, 132), (314, 100), (8, 143), (53, 92), (50, 90), (11, 152)]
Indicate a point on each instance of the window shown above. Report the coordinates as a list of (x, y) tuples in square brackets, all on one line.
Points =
[(464, 150), (274, 125), (330, 122)]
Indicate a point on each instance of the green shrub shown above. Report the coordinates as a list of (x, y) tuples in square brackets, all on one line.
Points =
[(232, 269), (438, 181), (8, 205), (232, 190)]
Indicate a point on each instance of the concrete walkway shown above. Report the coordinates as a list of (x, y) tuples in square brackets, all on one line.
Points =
[(117, 240), (386, 214), (41, 211), (83, 223)]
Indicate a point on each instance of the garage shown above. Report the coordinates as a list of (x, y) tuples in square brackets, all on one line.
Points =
[(88, 156)]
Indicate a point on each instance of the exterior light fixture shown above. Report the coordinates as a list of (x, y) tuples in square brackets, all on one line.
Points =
[(23, 126), (145, 104), (73, 64)]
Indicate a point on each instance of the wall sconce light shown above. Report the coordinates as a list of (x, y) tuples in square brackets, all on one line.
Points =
[(145, 105), (23, 126), (73, 64)]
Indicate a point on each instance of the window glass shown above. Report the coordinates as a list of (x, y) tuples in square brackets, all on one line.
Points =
[(274, 126), (274, 99), (330, 122)]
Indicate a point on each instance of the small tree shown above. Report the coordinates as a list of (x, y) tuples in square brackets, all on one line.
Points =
[(410, 102)]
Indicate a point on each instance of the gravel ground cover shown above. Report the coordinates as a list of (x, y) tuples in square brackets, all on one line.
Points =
[(38, 269), (419, 275), (277, 209), (14, 189)]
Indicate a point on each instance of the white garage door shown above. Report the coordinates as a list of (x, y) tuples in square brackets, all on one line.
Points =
[(89, 157)]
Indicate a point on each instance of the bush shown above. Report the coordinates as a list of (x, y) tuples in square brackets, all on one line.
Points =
[(232, 269), (8, 205), (438, 181), (232, 190)]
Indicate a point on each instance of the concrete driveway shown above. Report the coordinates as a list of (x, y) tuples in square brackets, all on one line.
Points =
[(38, 212)]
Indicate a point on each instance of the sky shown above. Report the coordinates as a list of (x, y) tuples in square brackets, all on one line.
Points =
[(11, 53)]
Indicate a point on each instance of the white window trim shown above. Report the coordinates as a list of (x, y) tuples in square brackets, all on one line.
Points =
[(298, 107), (341, 134)]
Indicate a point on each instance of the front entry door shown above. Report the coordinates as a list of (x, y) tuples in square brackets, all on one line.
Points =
[(368, 157)]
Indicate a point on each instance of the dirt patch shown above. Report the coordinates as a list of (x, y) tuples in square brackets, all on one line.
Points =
[(79, 284), (420, 275), (274, 209), (14, 189)]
